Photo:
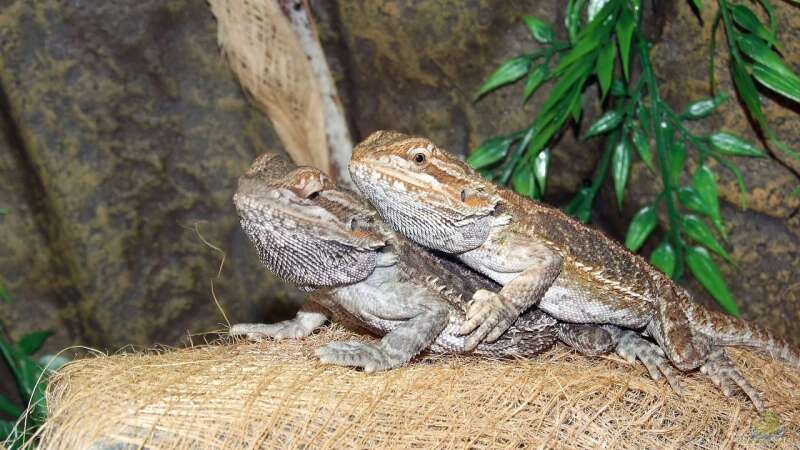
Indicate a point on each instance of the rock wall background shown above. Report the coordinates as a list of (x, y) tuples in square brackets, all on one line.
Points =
[(121, 128)]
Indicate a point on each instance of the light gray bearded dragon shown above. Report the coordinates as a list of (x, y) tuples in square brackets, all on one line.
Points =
[(543, 257), (326, 240)]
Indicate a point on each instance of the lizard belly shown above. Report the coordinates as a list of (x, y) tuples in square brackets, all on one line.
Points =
[(574, 298)]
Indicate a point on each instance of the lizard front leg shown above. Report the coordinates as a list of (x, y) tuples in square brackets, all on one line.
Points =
[(490, 314), (412, 315), (399, 346), (310, 317)]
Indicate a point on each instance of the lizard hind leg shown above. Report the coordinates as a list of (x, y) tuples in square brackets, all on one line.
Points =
[(725, 375), (632, 346)]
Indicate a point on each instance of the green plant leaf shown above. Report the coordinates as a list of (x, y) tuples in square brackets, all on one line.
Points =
[(568, 81), (572, 18), (489, 152), (578, 53), (747, 19), (663, 257), (758, 51), (691, 200), (676, 157), (31, 374), (773, 23), (6, 427), (540, 30), (4, 297), (789, 87), (11, 356), (698, 4), (3, 211), (605, 68), (540, 164), (509, 71), (705, 185), (796, 192), (33, 341), (8, 407), (620, 167), (737, 174), (642, 148), (576, 106), (697, 230), (580, 205), (618, 88), (607, 122), (535, 79), (707, 273), (625, 27), (729, 144), (642, 224), (600, 25), (643, 114), (523, 182), (747, 91), (703, 108)]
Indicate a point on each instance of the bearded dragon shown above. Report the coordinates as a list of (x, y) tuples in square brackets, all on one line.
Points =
[(326, 240), (543, 257)]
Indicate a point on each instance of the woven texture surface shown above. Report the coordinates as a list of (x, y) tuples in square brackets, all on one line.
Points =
[(275, 394), (268, 60)]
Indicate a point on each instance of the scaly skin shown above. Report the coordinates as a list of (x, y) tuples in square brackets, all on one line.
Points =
[(324, 239), (543, 257)]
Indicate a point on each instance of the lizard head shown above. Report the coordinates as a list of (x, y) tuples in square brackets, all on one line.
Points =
[(424, 192), (305, 229)]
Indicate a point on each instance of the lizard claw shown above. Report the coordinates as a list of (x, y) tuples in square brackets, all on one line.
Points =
[(726, 376), (489, 315), (370, 357), (632, 346), (260, 331)]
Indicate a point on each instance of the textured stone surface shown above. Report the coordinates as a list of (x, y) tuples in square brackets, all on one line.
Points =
[(126, 132)]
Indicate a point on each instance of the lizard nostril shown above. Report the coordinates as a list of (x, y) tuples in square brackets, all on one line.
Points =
[(463, 195)]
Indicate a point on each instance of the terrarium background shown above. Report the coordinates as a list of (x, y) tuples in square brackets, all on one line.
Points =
[(122, 131)]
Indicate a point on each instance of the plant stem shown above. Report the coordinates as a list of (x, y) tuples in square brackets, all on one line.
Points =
[(657, 122)]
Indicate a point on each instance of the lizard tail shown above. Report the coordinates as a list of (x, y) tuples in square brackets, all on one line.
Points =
[(727, 330)]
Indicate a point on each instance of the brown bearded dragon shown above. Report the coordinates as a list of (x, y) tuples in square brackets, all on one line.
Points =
[(327, 240), (543, 257)]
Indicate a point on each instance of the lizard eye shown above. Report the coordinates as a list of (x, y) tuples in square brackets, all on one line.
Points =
[(353, 224), (419, 158), (313, 196)]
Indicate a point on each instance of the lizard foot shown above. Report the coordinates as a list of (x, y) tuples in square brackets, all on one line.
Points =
[(489, 315), (726, 376), (260, 331), (632, 346), (370, 357)]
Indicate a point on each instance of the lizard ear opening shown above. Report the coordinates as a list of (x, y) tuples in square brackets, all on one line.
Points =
[(499, 209)]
